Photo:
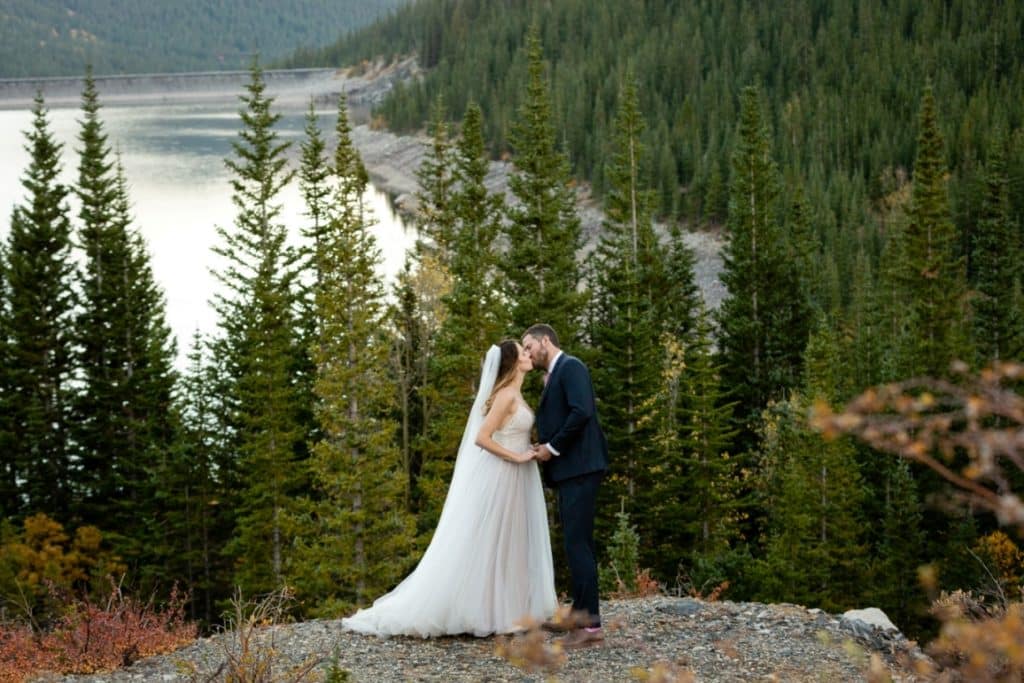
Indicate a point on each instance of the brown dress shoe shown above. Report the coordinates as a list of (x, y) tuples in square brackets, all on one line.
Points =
[(556, 626), (580, 637)]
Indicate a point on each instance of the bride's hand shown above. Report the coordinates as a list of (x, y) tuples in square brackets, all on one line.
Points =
[(527, 456)]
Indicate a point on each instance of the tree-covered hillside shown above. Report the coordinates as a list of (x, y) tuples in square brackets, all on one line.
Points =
[(58, 37), (841, 82)]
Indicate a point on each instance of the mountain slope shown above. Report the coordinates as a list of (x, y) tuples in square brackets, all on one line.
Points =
[(841, 82), (58, 37)]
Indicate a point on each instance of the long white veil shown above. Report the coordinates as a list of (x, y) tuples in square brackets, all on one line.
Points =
[(468, 450)]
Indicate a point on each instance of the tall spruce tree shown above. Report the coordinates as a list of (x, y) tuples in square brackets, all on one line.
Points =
[(629, 279), (364, 537), (260, 350), (436, 180), (931, 272), (475, 311), (38, 314), (696, 497), (815, 553), (9, 483), (314, 182), (543, 228), (997, 316), (196, 522), (124, 417), (764, 319), (682, 305), (900, 550)]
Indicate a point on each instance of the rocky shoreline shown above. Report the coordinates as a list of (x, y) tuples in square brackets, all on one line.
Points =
[(683, 639)]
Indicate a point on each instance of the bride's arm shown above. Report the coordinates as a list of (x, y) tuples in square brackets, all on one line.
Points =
[(501, 409)]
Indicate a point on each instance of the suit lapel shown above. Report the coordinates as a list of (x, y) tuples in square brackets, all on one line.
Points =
[(551, 377)]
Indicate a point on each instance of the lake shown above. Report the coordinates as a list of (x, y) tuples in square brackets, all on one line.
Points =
[(173, 154)]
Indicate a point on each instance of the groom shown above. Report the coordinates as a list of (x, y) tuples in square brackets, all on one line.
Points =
[(574, 454)]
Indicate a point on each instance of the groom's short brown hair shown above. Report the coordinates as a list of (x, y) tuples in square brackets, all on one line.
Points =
[(539, 330)]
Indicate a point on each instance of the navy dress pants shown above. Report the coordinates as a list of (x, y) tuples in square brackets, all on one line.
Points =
[(577, 504)]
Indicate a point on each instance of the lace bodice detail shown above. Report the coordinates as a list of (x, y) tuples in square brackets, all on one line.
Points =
[(515, 434)]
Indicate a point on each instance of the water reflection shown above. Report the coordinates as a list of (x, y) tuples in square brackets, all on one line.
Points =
[(174, 160)]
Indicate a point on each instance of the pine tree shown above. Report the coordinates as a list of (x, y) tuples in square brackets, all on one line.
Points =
[(543, 229), (997, 317), (866, 323), (125, 423), (37, 334), (681, 304), (696, 498), (475, 313), (259, 352), (364, 537), (625, 328), (435, 176), (814, 552), (763, 322), (803, 249), (314, 182), (894, 582), (197, 525), (931, 274), (9, 483)]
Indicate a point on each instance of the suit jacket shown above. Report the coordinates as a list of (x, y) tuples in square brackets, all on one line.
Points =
[(567, 419)]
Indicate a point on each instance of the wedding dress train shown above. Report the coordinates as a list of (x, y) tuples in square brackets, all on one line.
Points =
[(488, 565)]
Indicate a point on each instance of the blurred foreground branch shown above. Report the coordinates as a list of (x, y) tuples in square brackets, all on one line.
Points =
[(970, 430)]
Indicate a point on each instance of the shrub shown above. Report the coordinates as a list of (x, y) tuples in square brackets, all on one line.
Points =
[(89, 638)]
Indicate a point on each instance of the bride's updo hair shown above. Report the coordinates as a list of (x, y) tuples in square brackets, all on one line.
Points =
[(506, 369)]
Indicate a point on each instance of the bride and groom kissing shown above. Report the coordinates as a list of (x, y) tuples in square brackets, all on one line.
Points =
[(488, 568)]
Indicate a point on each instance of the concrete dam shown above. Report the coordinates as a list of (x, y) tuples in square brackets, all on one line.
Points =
[(177, 87)]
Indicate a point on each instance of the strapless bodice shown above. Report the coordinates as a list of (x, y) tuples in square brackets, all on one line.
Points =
[(515, 434)]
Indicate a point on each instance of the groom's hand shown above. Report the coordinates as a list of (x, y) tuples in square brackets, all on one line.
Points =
[(543, 454)]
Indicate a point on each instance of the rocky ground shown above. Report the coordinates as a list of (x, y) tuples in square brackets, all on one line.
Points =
[(680, 638)]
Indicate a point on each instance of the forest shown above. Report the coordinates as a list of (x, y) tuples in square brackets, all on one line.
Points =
[(49, 38), (872, 226)]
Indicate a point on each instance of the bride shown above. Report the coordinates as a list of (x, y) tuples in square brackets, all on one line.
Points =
[(489, 564)]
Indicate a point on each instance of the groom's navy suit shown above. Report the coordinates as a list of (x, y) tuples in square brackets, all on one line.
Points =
[(567, 422)]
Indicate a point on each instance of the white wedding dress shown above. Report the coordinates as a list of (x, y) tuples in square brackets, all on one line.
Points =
[(488, 566)]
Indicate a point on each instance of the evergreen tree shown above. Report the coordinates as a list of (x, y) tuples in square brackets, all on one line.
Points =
[(38, 309), (894, 584), (997, 316), (259, 352), (197, 524), (625, 328), (9, 483), (763, 322), (866, 324), (543, 229), (475, 312), (814, 551), (696, 497), (436, 181), (803, 249), (125, 423), (364, 537), (96, 410), (680, 305), (314, 182), (931, 274), (415, 321)]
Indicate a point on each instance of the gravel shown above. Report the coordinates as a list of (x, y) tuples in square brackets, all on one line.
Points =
[(682, 637)]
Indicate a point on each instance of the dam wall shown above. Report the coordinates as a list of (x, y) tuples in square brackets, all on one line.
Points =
[(177, 87)]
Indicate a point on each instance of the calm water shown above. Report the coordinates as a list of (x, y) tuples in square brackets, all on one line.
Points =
[(174, 161)]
